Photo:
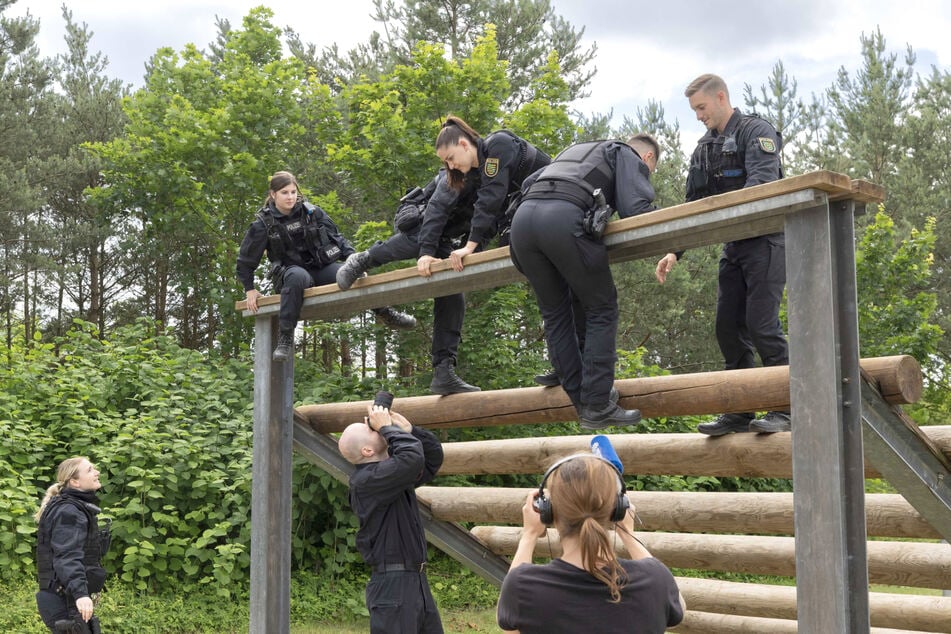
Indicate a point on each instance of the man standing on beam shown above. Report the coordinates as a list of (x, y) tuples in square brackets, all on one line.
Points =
[(739, 150)]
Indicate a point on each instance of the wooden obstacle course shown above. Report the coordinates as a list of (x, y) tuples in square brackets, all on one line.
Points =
[(816, 210)]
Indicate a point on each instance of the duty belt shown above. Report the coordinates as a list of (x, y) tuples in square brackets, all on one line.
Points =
[(384, 568)]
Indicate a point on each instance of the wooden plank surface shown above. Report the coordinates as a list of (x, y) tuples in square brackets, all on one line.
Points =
[(494, 268)]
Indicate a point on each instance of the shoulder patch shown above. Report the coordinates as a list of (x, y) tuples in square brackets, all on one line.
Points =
[(491, 167), (767, 144)]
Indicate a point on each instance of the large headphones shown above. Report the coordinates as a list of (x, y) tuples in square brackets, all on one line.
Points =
[(542, 503)]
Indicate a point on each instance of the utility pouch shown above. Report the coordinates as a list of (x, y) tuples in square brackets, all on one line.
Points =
[(95, 579), (276, 275), (697, 180), (328, 254), (328, 251), (408, 217), (596, 217)]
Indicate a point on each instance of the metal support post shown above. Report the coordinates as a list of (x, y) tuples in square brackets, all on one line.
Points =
[(271, 484), (828, 468)]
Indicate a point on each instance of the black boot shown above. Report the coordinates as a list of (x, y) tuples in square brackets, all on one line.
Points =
[(389, 316), (772, 423), (549, 379), (353, 269), (608, 415), (445, 381), (285, 346), (727, 424)]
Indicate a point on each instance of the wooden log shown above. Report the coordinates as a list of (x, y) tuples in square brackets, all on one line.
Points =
[(708, 623), (940, 435), (918, 564), (887, 515), (904, 611), (755, 389), (742, 455)]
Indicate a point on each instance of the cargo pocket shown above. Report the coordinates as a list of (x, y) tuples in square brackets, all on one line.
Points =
[(593, 253), (384, 599), (777, 259)]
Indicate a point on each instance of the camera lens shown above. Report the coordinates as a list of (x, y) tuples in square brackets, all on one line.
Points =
[(383, 398)]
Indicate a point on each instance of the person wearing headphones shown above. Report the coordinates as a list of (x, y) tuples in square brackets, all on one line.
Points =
[(588, 584)]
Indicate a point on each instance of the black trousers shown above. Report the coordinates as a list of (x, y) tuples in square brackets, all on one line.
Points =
[(449, 311), (750, 288), (296, 279), (563, 264), (56, 607), (402, 603)]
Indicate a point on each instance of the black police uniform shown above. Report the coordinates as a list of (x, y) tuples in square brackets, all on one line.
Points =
[(561, 261), (69, 551), (752, 272), (443, 226), (505, 160), (305, 249), (391, 538)]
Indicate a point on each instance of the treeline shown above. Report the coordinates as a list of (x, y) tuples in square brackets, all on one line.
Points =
[(121, 212)]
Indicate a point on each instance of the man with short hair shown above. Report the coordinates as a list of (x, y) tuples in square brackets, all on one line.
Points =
[(392, 458), (739, 151), (556, 243)]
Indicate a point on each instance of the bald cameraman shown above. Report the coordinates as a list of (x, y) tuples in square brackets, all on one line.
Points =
[(392, 458)]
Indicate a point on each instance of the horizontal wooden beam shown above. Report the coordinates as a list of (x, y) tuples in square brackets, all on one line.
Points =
[(756, 389), (711, 623), (887, 515), (903, 611), (741, 455), (918, 564), (731, 216)]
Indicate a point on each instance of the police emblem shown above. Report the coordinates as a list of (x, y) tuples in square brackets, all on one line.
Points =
[(491, 167), (767, 144)]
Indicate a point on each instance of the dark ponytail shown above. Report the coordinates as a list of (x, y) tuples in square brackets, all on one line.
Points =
[(454, 130)]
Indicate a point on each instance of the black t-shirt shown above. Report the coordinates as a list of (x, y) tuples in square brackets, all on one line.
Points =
[(558, 598)]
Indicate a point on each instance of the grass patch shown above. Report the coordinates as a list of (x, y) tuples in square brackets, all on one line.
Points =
[(319, 603)]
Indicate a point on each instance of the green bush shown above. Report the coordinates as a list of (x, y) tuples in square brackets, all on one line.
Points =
[(171, 431)]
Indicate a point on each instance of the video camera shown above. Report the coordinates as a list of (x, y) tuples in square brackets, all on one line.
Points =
[(383, 398)]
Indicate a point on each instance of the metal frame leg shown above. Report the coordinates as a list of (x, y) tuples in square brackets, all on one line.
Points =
[(828, 467), (271, 484)]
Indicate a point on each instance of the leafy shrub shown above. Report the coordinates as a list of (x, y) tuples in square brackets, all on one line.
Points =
[(171, 431)]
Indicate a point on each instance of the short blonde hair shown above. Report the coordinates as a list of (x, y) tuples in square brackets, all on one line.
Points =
[(708, 83)]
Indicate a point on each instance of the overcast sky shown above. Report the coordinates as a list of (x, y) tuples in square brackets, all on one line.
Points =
[(646, 50)]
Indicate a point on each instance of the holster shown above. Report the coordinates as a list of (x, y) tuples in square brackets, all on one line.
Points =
[(276, 275), (596, 217)]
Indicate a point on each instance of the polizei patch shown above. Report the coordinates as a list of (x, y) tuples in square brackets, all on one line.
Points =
[(768, 145), (491, 167)]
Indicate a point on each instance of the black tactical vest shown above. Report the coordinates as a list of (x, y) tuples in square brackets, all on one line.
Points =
[(302, 240), (574, 175), (722, 161), (96, 546)]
